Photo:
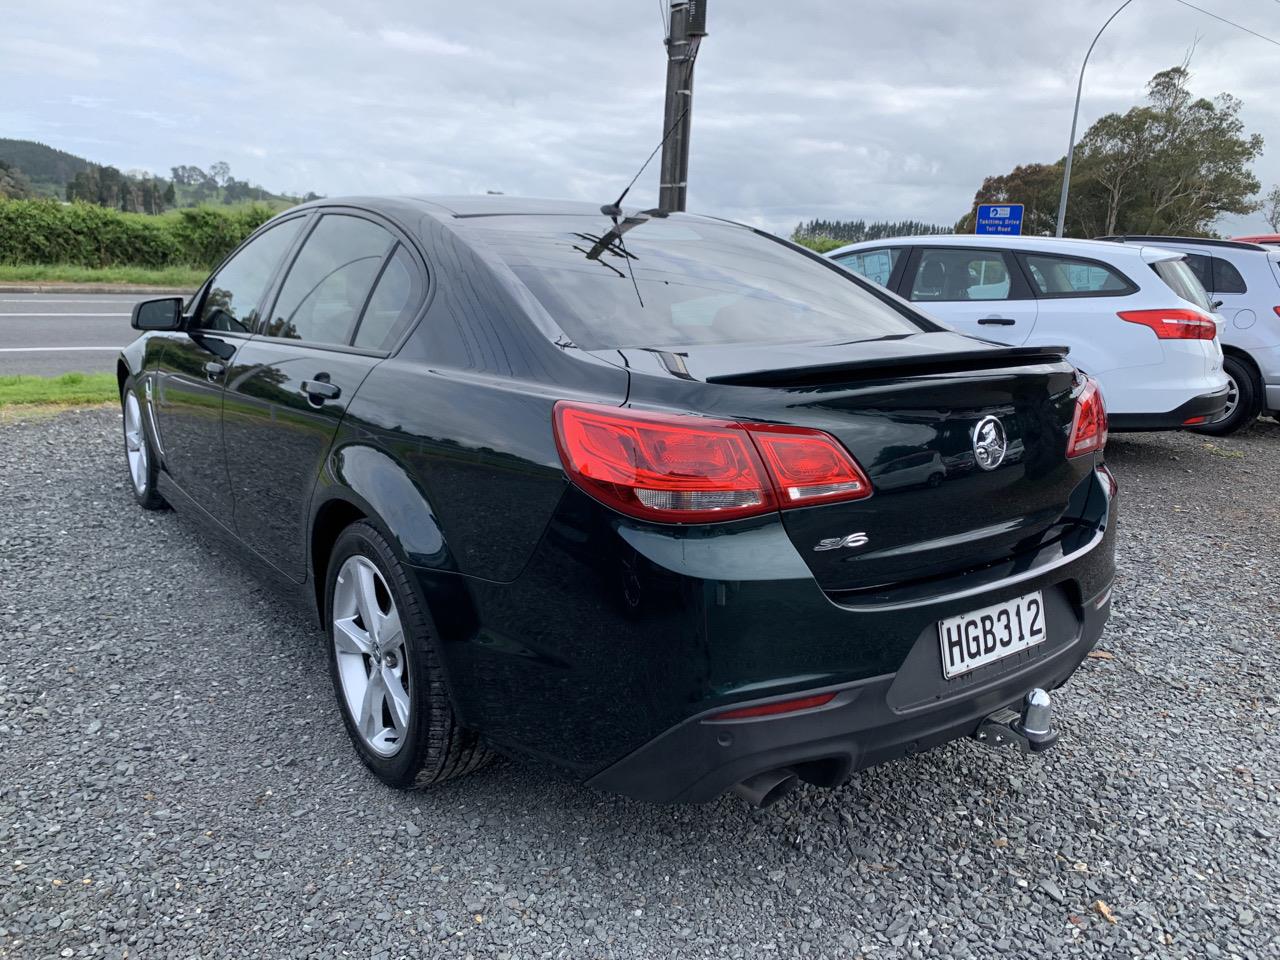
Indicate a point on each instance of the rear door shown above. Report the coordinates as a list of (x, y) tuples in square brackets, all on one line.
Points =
[(192, 367), (344, 303), (977, 291)]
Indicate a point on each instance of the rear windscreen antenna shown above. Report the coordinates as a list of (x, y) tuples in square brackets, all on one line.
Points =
[(614, 210)]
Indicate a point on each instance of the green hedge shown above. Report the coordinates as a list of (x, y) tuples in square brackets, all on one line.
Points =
[(81, 234)]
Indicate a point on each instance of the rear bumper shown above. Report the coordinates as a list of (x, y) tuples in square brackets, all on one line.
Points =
[(1272, 401), (1208, 405), (867, 723)]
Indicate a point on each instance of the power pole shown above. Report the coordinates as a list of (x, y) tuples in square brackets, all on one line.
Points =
[(688, 27)]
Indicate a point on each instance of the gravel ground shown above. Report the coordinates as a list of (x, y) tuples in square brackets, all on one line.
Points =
[(175, 780)]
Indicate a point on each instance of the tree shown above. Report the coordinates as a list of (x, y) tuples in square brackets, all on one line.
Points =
[(14, 184), (220, 173), (84, 186), (170, 195), (1271, 209), (1034, 185), (1174, 165), (855, 231)]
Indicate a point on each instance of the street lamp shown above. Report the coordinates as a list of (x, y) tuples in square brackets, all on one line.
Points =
[(1071, 147)]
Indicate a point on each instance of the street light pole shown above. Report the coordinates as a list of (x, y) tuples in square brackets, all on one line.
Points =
[(1075, 115)]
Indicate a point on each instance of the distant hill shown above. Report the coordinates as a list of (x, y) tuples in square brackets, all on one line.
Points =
[(36, 168), (47, 168)]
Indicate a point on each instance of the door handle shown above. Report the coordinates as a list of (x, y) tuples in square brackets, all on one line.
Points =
[(997, 321), (213, 370), (320, 389)]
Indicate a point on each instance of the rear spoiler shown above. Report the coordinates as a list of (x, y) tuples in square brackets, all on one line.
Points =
[(883, 368)]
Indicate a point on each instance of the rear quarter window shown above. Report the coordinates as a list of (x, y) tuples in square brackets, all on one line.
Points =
[(1179, 277), (1055, 276), (1226, 278)]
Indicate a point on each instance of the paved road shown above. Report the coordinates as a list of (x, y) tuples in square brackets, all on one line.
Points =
[(51, 333), (175, 780)]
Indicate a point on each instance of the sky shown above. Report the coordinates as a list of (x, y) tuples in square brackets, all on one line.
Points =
[(801, 109)]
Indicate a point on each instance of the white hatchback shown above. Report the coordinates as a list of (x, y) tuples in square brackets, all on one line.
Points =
[(1135, 316), (1245, 280)]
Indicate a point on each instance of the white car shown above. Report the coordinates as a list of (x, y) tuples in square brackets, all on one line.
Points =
[(1245, 279), (1135, 316)]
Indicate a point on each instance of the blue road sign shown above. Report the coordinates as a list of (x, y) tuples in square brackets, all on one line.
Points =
[(999, 218)]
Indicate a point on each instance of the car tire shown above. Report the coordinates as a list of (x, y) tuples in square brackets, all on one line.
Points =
[(1242, 403), (140, 456), (388, 679)]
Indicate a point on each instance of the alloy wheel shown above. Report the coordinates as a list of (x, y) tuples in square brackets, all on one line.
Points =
[(135, 443), (1233, 398), (372, 660)]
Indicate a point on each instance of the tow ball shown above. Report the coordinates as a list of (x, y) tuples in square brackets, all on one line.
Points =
[(1031, 731)]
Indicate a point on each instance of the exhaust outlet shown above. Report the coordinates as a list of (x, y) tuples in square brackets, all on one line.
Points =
[(766, 789)]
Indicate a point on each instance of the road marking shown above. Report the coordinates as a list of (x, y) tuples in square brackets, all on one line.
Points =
[(56, 349), (23, 316)]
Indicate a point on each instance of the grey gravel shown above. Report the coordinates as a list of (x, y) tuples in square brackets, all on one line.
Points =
[(175, 780)]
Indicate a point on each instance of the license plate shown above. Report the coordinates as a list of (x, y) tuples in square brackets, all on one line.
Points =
[(984, 636)]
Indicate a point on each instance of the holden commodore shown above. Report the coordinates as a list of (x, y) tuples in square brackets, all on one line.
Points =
[(662, 500)]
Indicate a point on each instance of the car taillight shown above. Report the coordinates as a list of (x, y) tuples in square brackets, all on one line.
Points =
[(1174, 324), (687, 469), (1089, 425)]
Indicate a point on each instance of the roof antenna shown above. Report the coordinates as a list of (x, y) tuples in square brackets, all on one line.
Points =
[(614, 210)]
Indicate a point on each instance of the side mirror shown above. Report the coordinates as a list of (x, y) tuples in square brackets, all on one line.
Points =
[(164, 313), (1217, 304)]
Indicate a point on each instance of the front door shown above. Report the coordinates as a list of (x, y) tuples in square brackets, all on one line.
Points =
[(289, 388), (978, 292), (192, 368)]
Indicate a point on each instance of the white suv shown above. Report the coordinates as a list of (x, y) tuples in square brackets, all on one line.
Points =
[(1245, 279), (1134, 316)]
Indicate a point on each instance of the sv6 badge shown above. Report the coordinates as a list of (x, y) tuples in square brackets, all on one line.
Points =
[(836, 543)]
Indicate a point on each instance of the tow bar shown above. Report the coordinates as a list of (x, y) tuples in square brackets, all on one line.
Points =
[(1030, 732)]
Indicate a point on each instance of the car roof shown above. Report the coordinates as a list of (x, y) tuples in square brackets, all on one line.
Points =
[(1181, 241), (1065, 246), (500, 205)]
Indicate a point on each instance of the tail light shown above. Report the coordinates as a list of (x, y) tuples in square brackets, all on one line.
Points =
[(1174, 324), (688, 469), (1089, 425)]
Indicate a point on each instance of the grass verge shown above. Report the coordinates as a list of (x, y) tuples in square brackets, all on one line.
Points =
[(184, 277), (69, 389)]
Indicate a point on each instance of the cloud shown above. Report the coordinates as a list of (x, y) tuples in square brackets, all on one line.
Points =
[(418, 41), (849, 110)]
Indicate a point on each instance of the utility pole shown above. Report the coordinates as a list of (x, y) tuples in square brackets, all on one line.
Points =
[(687, 28)]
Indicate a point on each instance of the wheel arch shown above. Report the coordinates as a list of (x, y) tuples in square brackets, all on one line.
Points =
[(1230, 350), (363, 482)]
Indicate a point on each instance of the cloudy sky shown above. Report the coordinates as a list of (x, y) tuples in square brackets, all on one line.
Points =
[(803, 108)]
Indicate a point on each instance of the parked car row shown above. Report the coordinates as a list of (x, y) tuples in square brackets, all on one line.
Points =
[(1179, 332)]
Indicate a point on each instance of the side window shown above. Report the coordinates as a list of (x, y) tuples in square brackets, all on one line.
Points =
[(959, 274), (1226, 278), (1066, 276), (1202, 267), (876, 265), (327, 285), (394, 302), (236, 290)]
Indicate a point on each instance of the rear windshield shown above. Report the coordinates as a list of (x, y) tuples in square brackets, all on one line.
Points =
[(1183, 282), (695, 283)]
